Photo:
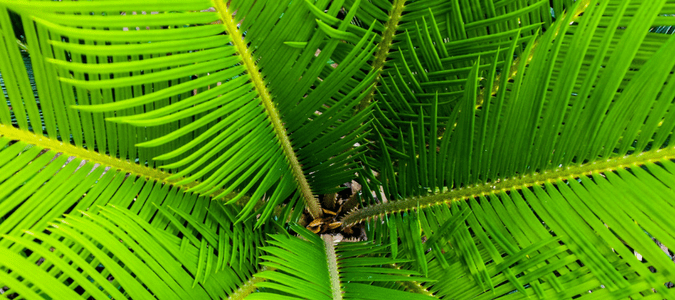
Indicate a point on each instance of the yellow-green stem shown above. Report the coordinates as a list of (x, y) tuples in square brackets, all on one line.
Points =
[(513, 71), (413, 286), (92, 156), (331, 259), (270, 108), (508, 184), (79, 152), (374, 211), (248, 287), (383, 48)]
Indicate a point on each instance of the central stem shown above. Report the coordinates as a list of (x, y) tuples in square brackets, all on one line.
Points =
[(329, 244), (270, 108), (509, 184), (383, 47)]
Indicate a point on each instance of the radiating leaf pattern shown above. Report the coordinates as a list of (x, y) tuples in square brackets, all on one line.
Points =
[(105, 233), (331, 270), (176, 149), (556, 156), (221, 104)]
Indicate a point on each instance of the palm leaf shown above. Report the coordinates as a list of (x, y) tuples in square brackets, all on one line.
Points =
[(125, 233), (428, 47), (353, 270), (517, 149), (222, 104), (566, 170)]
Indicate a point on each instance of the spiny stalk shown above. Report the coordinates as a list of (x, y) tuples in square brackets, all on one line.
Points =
[(270, 108), (114, 163), (513, 70), (373, 211), (412, 286), (248, 287), (383, 48), (329, 245), (508, 184)]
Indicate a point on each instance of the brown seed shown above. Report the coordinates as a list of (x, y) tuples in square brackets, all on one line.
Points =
[(325, 211), (315, 223)]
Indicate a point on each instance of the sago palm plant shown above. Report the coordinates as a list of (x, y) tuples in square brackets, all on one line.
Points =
[(337, 149)]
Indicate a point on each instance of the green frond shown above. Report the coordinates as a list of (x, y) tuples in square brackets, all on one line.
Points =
[(589, 244), (75, 228), (220, 110), (385, 43), (503, 149), (322, 268), (559, 241), (580, 128), (427, 48), (452, 165), (69, 150), (247, 288)]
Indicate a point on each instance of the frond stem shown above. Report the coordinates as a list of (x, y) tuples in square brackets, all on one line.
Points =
[(248, 287), (329, 244), (383, 48), (508, 184), (270, 108), (92, 156), (511, 74), (413, 286)]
